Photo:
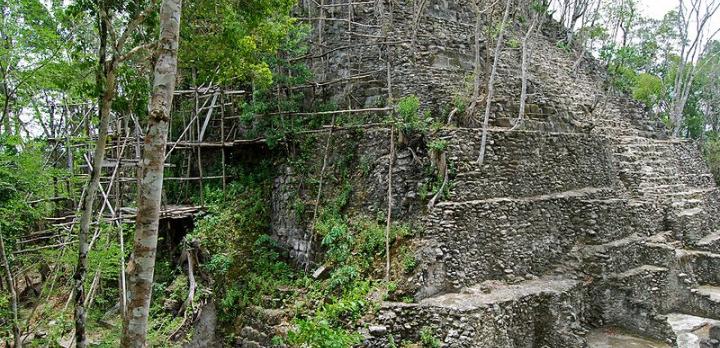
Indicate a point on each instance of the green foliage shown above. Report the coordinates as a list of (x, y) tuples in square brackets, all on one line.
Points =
[(236, 37), (648, 89), (563, 46), (540, 7), (23, 177), (711, 151), (408, 118), (409, 262), (6, 314), (256, 111), (427, 338), (243, 218), (391, 342), (319, 333), (460, 102), (337, 240), (438, 145), (408, 107), (430, 188), (343, 277)]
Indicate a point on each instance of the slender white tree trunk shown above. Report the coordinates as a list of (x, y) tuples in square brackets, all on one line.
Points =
[(491, 82), (106, 79), (13, 294), (524, 70), (149, 197)]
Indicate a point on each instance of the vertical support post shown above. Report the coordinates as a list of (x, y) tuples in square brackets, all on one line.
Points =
[(118, 204), (388, 224), (222, 140), (197, 123), (69, 154)]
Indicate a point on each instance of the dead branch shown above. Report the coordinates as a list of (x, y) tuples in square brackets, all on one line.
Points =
[(443, 170), (491, 82)]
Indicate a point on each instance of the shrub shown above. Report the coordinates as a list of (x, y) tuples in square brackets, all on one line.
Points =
[(409, 118), (319, 333), (343, 277), (409, 262), (427, 338), (711, 152), (438, 145)]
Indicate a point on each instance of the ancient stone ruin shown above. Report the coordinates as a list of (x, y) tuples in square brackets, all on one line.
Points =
[(585, 225)]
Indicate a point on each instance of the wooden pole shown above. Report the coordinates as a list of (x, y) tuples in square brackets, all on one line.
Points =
[(13, 293), (197, 124), (222, 139)]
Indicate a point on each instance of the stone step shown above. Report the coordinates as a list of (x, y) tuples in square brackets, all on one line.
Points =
[(650, 186), (640, 272), (250, 344), (647, 171), (623, 154), (704, 301), (636, 300), (690, 212), (645, 140), (693, 193), (691, 331), (710, 243), (642, 158), (626, 254), (475, 185), (638, 149), (700, 266), (511, 238), (533, 311), (622, 131), (576, 193), (491, 293), (614, 337), (249, 333)]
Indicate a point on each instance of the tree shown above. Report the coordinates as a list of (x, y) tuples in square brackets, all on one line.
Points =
[(110, 54), (149, 197), (709, 93), (697, 16), (29, 41), (228, 41)]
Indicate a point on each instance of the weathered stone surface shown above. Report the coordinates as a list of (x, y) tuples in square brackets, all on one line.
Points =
[(586, 216)]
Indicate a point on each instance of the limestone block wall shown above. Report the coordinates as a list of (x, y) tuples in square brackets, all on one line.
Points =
[(538, 313), (625, 254), (505, 239), (356, 158), (430, 49), (523, 164), (588, 198), (361, 39), (286, 226), (635, 300)]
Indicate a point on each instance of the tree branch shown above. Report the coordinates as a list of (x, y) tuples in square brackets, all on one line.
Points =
[(134, 24), (148, 46)]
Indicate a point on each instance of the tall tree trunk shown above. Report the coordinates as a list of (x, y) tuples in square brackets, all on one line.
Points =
[(148, 213), (105, 79), (5, 118), (13, 294)]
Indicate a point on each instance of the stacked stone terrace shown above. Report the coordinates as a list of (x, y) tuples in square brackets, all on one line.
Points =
[(584, 223)]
